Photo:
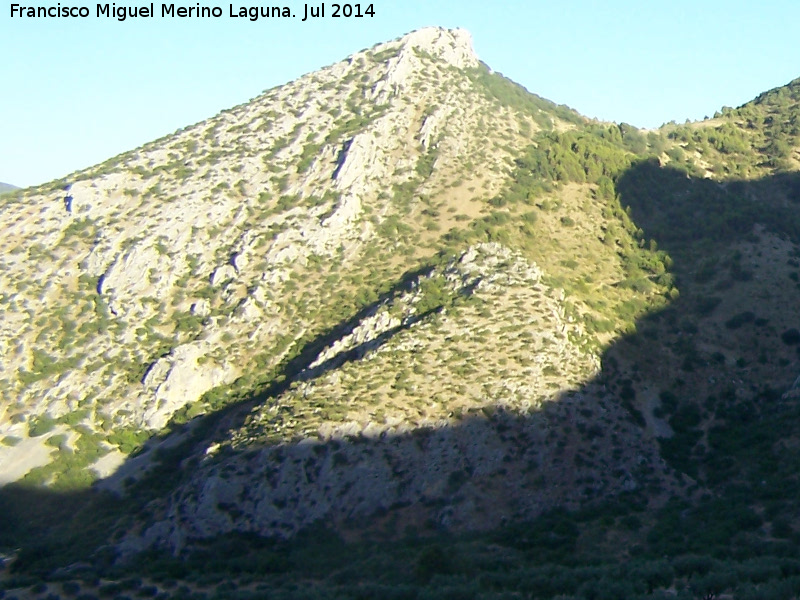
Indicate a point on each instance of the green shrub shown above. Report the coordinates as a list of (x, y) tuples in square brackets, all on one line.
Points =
[(791, 337), (56, 440), (740, 319), (40, 425)]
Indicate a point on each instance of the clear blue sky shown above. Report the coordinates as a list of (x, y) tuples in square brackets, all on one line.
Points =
[(77, 91)]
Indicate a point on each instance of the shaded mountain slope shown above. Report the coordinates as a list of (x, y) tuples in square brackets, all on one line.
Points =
[(445, 416), (355, 209), (686, 375)]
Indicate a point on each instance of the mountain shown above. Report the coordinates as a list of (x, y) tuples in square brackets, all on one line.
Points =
[(403, 313), (306, 234), (143, 313), (6, 187)]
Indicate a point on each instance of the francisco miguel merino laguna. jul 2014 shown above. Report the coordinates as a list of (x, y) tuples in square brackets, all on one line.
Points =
[(252, 13)]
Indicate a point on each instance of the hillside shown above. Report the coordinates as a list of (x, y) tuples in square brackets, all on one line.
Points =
[(403, 299), (290, 229), (6, 187)]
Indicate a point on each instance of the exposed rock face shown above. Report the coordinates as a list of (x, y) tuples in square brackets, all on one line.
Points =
[(181, 375), (380, 296), (473, 475), (454, 47)]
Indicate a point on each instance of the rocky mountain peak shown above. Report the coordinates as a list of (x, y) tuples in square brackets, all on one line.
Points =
[(453, 46), (408, 59)]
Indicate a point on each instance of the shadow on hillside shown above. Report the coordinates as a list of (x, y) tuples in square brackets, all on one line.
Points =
[(212, 427), (491, 467)]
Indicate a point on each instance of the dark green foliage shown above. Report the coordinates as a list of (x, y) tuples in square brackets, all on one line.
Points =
[(586, 155), (677, 450), (655, 575), (432, 561), (711, 585), (676, 154), (187, 322), (553, 535), (427, 161), (605, 188), (634, 140), (710, 528), (741, 319), (307, 157), (354, 124), (510, 94), (435, 295), (706, 305), (40, 425), (627, 395), (128, 439), (56, 440), (791, 337), (680, 212)]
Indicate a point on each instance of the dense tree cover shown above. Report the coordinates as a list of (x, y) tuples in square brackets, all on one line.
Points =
[(556, 556), (749, 141), (681, 211), (513, 95), (593, 154), (583, 156)]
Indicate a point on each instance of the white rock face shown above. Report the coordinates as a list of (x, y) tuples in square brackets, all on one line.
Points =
[(17, 461), (223, 274), (452, 46), (201, 308), (129, 278), (361, 156), (180, 378)]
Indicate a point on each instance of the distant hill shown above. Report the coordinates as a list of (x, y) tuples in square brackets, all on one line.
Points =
[(7, 187)]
